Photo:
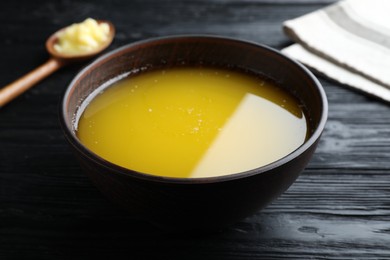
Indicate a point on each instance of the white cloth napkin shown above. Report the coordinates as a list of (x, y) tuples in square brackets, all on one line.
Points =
[(348, 41)]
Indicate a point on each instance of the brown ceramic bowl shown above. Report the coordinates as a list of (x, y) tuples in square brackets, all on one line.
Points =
[(182, 204)]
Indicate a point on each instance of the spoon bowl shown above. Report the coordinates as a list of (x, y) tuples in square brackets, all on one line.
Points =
[(53, 39)]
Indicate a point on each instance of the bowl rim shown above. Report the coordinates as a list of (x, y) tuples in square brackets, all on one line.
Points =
[(76, 143)]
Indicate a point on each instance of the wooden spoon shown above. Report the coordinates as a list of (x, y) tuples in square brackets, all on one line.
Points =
[(56, 61)]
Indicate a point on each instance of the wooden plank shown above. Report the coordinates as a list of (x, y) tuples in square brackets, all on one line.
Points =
[(339, 208)]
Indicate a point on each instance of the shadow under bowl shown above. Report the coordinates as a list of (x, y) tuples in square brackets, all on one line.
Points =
[(197, 204)]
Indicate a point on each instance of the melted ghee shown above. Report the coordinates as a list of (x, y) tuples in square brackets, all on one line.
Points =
[(192, 122)]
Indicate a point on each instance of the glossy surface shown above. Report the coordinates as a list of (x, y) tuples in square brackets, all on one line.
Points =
[(192, 122)]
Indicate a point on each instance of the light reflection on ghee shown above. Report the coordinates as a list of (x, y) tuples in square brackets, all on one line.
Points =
[(192, 122)]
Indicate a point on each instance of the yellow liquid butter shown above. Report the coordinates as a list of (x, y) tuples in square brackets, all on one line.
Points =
[(192, 122)]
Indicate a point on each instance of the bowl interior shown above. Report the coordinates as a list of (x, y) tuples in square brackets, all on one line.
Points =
[(194, 51)]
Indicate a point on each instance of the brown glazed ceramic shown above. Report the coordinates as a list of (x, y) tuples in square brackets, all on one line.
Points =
[(179, 204)]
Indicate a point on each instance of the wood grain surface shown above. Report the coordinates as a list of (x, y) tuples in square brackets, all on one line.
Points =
[(339, 208)]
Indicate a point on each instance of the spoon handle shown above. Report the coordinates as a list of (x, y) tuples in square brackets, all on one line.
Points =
[(22, 84)]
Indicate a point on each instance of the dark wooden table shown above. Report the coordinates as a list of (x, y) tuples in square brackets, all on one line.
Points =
[(339, 208)]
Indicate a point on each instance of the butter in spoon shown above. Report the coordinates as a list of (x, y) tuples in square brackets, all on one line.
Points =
[(74, 43)]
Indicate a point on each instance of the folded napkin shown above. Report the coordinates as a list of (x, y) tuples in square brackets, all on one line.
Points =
[(348, 41)]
